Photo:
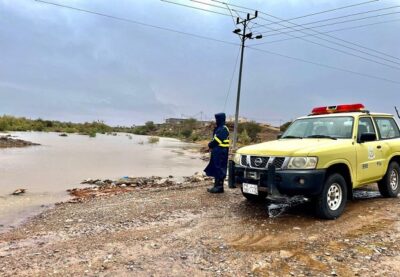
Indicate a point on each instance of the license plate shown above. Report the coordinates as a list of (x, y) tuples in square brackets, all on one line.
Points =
[(250, 189)]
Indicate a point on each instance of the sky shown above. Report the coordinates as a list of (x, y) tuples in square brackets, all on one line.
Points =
[(63, 64)]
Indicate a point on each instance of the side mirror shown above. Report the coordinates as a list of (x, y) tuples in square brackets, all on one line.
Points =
[(366, 137), (279, 135)]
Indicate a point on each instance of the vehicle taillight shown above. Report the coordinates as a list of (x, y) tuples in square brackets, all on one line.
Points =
[(338, 109)]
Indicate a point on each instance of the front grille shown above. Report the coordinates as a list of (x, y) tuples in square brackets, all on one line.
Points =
[(259, 162), (243, 160), (278, 162)]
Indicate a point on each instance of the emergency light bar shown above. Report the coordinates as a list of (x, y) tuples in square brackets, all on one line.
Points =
[(339, 109)]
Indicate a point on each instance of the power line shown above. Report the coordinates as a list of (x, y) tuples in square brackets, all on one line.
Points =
[(327, 32), (220, 41), (339, 44), (345, 41), (324, 65), (351, 54), (196, 8), (233, 18), (311, 14), (340, 22), (326, 40), (138, 23), (334, 18), (331, 10), (232, 78)]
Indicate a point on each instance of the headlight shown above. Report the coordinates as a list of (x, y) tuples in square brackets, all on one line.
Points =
[(236, 158), (303, 163)]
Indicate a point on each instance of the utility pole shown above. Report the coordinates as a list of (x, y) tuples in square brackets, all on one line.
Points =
[(244, 36)]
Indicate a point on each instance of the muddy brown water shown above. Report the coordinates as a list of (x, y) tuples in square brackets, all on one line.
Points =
[(61, 163)]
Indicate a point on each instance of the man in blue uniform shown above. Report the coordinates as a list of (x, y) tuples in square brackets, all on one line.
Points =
[(219, 147)]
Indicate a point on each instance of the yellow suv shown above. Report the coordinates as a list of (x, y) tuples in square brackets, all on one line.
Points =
[(323, 157)]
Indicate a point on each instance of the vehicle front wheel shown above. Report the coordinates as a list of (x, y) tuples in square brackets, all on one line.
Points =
[(331, 202), (389, 186)]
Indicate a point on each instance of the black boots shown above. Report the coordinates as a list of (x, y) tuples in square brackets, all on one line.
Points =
[(218, 186)]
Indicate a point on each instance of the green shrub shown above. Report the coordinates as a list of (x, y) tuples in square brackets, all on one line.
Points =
[(153, 140), (244, 138), (92, 134), (252, 129), (149, 125), (194, 137), (186, 133), (3, 126)]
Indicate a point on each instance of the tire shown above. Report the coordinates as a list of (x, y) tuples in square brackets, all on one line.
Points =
[(255, 198), (389, 186), (331, 202)]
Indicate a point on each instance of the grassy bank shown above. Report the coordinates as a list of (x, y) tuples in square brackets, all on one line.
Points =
[(21, 124), (192, 130), (189, 130)]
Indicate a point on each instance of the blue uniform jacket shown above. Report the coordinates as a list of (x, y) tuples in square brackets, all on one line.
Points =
[(217, 167)]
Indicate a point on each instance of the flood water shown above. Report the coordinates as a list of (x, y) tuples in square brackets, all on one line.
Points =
[(61, 163)]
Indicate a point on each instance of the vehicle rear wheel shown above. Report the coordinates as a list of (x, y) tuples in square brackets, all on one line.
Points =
[(389, 186), (255, 198), (331, 202)]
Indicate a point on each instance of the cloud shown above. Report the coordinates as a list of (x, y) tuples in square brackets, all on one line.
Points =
[(69, 65)]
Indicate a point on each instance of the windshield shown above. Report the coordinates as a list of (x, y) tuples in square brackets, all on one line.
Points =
[(321, 127)]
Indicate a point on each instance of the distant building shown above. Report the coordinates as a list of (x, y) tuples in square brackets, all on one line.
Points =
[(177, 121), (241, 119)]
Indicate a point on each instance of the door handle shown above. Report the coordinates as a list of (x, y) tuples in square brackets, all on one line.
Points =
[(379, 147)]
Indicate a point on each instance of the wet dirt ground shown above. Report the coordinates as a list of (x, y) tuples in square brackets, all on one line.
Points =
[(187, 232)]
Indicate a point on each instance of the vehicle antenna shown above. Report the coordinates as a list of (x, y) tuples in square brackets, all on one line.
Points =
[(397, 111)]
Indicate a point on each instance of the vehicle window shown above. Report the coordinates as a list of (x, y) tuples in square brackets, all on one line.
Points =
[(387, 128), (335, 127), (365, 125)]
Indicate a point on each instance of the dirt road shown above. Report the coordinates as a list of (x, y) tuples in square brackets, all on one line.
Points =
[(187, 232)]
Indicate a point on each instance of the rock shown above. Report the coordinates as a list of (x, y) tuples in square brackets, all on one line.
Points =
[(100, 183), (19, 192), (284, 254), (63, 135)]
